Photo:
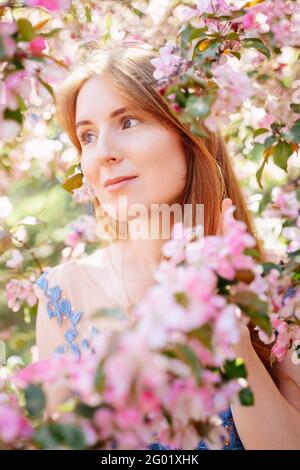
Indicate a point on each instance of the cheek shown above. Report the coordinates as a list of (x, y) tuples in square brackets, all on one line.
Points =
[(89, 169), (166, 165)]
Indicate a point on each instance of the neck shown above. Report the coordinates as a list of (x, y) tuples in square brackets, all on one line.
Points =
[(137, 254)]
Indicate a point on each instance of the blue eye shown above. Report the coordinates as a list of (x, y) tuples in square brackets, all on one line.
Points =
[(83, 137), (126, 119)]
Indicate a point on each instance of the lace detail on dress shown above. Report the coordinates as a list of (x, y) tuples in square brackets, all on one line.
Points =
[(60, 308)]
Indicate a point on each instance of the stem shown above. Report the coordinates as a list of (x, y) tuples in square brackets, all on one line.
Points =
[(29, 249), (57, 61)]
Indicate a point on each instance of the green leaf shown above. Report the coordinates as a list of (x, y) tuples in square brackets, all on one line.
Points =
[(47, 86), (85, 411), (270, 141), (5, 240), (246, 397), (44, 439), (68, 434), (281, 153), (260, 131), (181, 298), (15, 115), (259, 174), (236, 54), (293, 254), (26, 30), (256, 153), (21, 103), (198, 106), (258, 45), (252, 252), (72, 168), (255, 308), (232, 36), (88, 13), (51, 33), (2, 49), (235, 369), (295, 107), (198, 130), (137, 12), (187, 355), (295, 132), (208, 54), (267, 267), (73, 182), (180, 98), (246, 298), (203, 334), (167, 415), (190, 33), (99, 379), (35, 400)]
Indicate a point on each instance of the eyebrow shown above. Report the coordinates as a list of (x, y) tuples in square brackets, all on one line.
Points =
[(112, 115)]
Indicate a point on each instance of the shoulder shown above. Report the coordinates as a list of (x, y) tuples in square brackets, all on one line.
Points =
[(287, 373), (53, 280), (67, 275), (55, 313)]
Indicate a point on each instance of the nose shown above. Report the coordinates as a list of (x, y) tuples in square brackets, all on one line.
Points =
[(105, 156)]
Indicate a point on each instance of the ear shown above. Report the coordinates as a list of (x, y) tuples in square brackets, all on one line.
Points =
[(226, 203)]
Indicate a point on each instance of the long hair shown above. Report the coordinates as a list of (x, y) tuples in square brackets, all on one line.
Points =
[(210, 175)]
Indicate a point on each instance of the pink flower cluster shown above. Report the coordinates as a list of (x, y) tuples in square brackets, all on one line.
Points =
[(82, 229), (168, 63), (13, 426), (284, 311), (19, 291), (50, 5), (285, 205), (162, 365)]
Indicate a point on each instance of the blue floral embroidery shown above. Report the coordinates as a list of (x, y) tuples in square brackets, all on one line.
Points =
[(61, 308)]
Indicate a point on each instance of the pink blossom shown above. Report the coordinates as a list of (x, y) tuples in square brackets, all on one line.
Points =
[(82, 229), (13, 425), (7, 28), (282, 343), (51, 5), (16, 260), (266, 121), (37, 46), (83, 194), (293, 235), (204, 6), (226, 328), (19, 291), (168, 63), (36, 373)]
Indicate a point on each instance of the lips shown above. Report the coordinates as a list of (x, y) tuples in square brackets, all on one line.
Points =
[(118, 179)]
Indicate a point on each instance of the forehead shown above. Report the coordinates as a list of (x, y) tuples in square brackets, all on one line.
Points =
[(97, 95)]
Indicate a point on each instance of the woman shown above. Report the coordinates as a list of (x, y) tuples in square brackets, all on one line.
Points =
[(123, 129)]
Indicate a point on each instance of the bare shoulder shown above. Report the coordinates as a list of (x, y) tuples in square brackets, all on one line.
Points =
[(288, 375), (92, 267), (51, 287)]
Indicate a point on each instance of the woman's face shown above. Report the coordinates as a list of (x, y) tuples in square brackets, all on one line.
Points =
[(124, 145)]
